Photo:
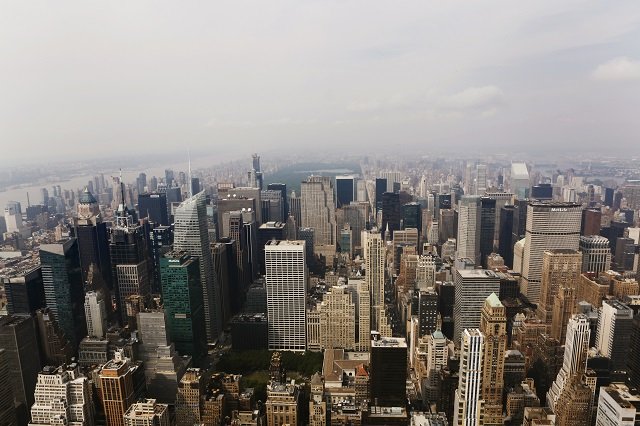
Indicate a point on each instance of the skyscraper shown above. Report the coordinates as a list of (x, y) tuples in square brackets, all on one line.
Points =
[(318, 211), (182, 302), (560, 268), (191, 235), (118, 380), (575, 358), (286, 279), (345, 190), (64, 293), (7, 403), (391, 212), (469, 406), (596, 254), (381, 188), (62, 393), (147, 413), (472, 287), (95, 313), (130, 263), (614, 332), (153, 206), (493, 324), (189, 402), (520, 183), (469, 222), (375, 275), (487, 228), (505, 235), (388, 375), (549, 226), (93, 241)]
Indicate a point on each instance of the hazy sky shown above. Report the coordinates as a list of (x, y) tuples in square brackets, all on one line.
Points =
[(127, 76)]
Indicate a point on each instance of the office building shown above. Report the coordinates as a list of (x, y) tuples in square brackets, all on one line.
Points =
[(7, 402), (549, 226), (153, 206), (487, 228), (596, 254), (618, 405), (283, 404), (574, 363), (427, 311), (272, 206), (614, 332), (286, 282), (391, 212), (189, 404), (283, 192), (519, 183), (469, 222), (93, 241), (493, 325), (337, 319), (249, 332), (183, 305), (191, 236), (381, 188), (147, 413), (95, 311), (388, 372), (318, 210), (472, 287), (345, 190), (19, 341), (505, 235), (23, 288), (469, 405), (55, 349), (13, 217), (633, 361), (560, 268), (130, 263), (161, 241), (62, 396), (375, 255), (121, 383), (412, 216), (591, 220), (63, 289)]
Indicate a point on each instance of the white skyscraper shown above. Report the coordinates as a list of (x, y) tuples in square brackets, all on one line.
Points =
[(481, 179), (617, 406), (596, 253), (550, 225), (468, 239), (13, 216), (575, 357), (614, 332), (468, 406), (472, 287), (374, 263), (62, 397), (96, 314), (520, 180), (286, 279), (191, 235)]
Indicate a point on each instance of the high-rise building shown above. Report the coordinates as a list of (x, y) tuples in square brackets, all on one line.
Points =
[(437, 357), (375, 275), (95, 313), (388, 372), (391, 212), (596, 254), (7, 402), (318, 209), (337, 319), (549, 226), (282, 187), (62, 396), (63, 289), (381, 188), (19, 341), (13, 217), (633, 360), (286, 279), (480, 184), (182, 302), (55, 349), (469, 405), (505, 235), (574, 363), (345, 190), (618, 405), (147, 413), (591, 220), (493, 324), (472, 287), (23, 289), (161, 242), (614, 332), (130, 263), (520, 183), (191, 235), (153, 206), (427, 311), (487, 228), (189, 402), (119, 386), (283, 404), (92, 236), (560, 268), (469, 222)]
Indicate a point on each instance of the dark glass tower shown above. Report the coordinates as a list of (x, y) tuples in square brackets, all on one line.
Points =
[(412, 216), (345, 189), (505, 235), (154, 208), (390, 212), (388, 372), (282, 187), (381, 188), (63, 287), (487, 228), (183, 304)]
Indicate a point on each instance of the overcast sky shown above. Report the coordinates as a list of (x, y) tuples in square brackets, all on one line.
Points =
[(239, 76)]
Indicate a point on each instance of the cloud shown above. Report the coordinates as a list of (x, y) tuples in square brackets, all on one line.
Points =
[(618, 69), (475, 98)]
